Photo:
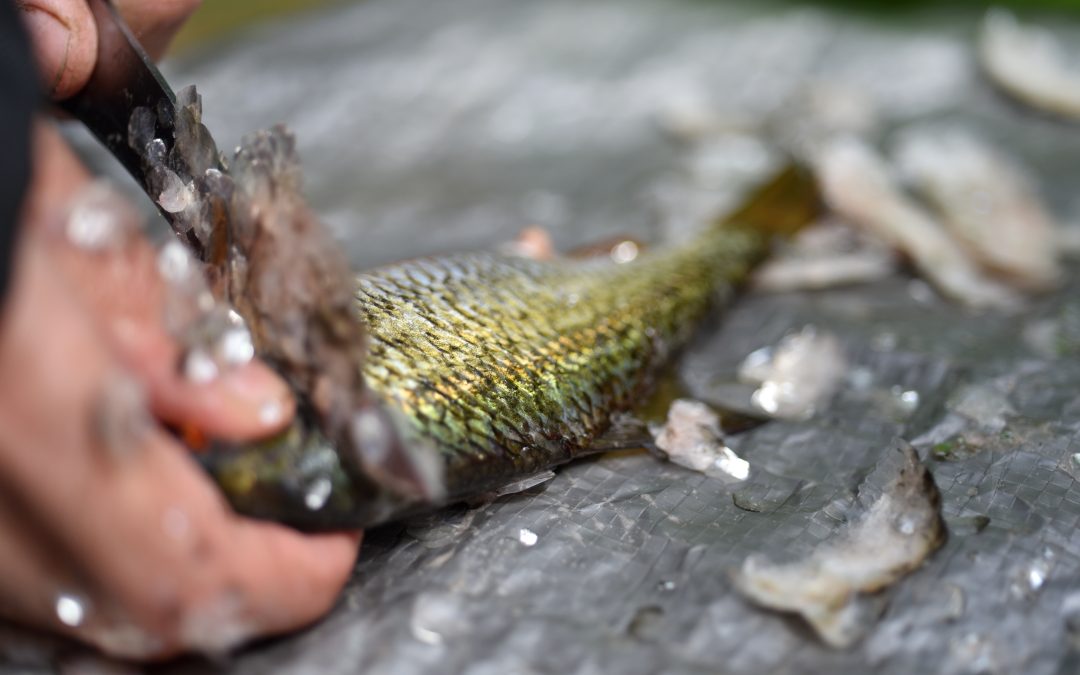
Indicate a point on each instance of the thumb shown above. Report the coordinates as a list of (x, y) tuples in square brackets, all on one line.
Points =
[(65, 43)]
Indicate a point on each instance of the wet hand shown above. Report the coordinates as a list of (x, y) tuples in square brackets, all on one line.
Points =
[(112, 532)]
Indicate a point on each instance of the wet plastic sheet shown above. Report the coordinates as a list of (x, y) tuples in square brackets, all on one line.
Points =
[(467, 119)]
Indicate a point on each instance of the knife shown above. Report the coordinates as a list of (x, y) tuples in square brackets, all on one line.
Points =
[(158, 136), (125, 80)]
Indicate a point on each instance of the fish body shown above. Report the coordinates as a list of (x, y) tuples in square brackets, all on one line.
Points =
[(495, 367)]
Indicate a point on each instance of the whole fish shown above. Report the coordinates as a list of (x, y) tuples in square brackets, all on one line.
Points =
[(495, 367)]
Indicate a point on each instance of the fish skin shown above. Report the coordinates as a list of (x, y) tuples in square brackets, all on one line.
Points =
[(500, 366)]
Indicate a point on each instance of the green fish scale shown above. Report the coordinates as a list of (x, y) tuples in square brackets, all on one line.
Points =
[(509, 365)]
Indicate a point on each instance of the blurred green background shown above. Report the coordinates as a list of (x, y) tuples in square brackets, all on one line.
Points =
[(216, 18)]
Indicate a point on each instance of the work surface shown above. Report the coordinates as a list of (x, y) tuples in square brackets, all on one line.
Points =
[(433, 126)]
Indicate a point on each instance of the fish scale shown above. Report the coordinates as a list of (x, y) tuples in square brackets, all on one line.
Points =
[(504, 366), (531, 366)]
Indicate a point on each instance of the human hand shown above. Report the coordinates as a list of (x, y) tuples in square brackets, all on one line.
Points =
[(112, 533), (65, 37)]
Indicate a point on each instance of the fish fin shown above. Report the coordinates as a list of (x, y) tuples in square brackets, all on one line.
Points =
[(526, 483), (375, 449), (626, 432)]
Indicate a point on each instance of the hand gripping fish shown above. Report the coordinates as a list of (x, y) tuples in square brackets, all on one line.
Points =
[(492, 367)]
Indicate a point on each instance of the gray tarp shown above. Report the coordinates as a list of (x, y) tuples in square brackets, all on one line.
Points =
[(429, 126)]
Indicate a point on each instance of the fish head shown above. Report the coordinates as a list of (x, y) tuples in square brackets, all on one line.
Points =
[(301, 478)]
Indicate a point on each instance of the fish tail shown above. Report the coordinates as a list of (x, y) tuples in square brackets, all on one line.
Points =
[(780, 207)]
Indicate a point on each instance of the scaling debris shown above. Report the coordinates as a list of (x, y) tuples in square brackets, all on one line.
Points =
[(860, 186), (831, 253), (984, 200), (1029, 64), (691, 437), (833, 588), (798, 376)]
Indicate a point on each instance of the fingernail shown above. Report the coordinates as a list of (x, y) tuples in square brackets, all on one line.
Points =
[(52, 43)]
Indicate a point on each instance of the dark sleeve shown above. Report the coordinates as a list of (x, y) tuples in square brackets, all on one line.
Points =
[(19, 98)]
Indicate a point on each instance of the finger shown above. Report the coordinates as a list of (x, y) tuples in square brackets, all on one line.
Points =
[(163, 561), (126, 292), (166, 554), (33, 578), (240, 402), (292, 579), (65, 43), (155, 23), (163, 566)]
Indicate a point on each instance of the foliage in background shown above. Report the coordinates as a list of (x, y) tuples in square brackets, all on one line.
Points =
[(216, 18)]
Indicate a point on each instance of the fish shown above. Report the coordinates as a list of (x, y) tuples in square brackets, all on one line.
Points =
[(494, 367)]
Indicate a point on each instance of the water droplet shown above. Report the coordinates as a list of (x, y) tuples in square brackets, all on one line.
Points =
[(1029, 579), (908, 400), (527, 537), (175, 262), (318, 493), (1076, 459), (199, 366), (271, 412), (766, 397), (1036, 577), (426, 635), (437, 618), (235, 346), (905, 526), (666, 585), (95, 222), (730, 464), (624, 252), (70, 609), (573, 299)]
